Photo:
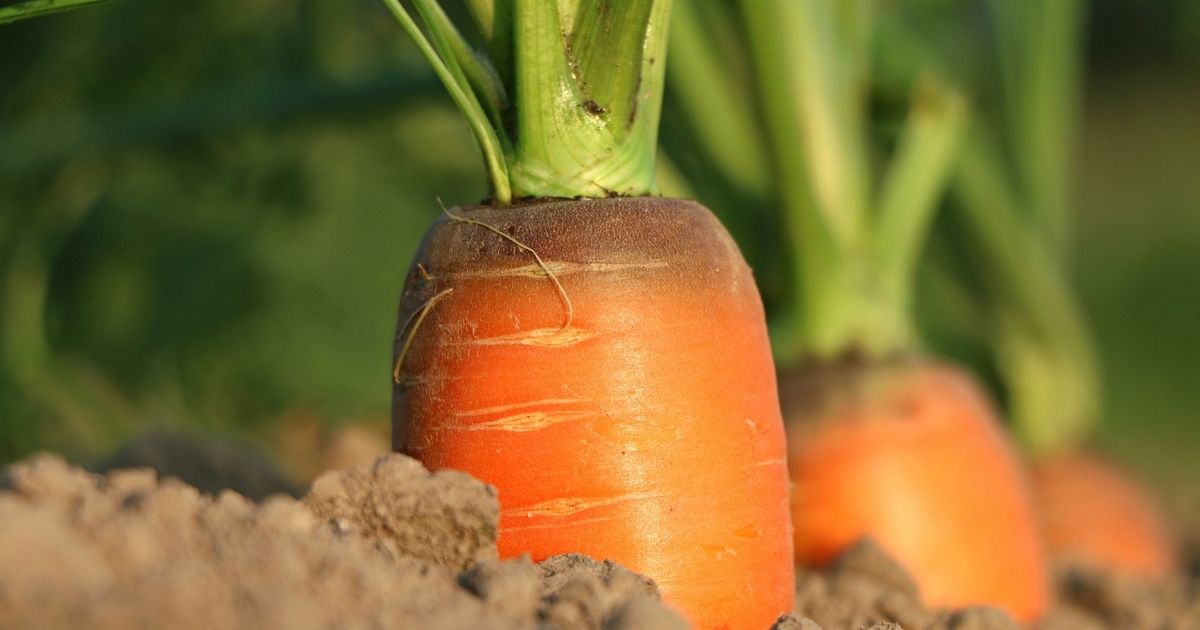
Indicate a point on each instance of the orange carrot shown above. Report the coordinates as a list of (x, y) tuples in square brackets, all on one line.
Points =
[(911, 455), (605, 365), (1094, 514), (597, 354)]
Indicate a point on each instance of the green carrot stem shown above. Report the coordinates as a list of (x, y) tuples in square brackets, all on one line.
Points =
[(565, 101), (854, 249), (35, 8), (1044, 349), (460, 92), (1040, 61), (797, 88), (912, 189), (493, 19), (706, 85)]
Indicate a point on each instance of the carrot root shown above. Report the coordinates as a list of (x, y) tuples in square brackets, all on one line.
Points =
[(631, 414)]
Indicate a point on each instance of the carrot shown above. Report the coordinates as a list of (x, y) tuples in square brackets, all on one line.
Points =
[(598, 355), (1095, 515), (911, 455), (617, 427), (883, 441), (1014, 199)]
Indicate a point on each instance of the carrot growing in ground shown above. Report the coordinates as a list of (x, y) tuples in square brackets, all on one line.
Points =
[(598, 354), (1092, 511), (1013, 189), (883, 441)]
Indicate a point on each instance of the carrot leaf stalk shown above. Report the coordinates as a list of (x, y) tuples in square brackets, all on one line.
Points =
[(1014, 190), (855, 246), (1039, 62), (735, 146), (564, 100), (34, 8), (1044, 352)]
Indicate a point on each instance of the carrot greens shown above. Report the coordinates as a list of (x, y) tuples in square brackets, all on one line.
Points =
[(564, 97), (33, 8), (855, 237)]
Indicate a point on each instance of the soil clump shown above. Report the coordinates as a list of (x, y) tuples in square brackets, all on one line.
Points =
[(385, 546), (866, 589)]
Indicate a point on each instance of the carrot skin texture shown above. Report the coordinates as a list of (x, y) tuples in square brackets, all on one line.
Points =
[(912, 455), (1094, 514), (647, 431)]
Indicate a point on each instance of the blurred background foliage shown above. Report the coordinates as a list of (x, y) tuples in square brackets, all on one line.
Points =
[(207, 209)]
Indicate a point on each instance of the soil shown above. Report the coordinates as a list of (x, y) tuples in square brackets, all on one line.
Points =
[(393, 545), (389, 545), (864, 588)]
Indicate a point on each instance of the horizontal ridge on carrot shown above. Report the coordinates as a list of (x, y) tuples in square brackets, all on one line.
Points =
[(597, 354)]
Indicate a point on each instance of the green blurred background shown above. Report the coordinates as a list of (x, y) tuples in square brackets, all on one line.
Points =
[(207, 208)]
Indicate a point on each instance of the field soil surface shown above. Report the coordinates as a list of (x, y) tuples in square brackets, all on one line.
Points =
[(392, 545)]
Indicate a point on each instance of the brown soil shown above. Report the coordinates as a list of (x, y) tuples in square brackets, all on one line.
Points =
[(866, 589), (376, 547), (392, 545)]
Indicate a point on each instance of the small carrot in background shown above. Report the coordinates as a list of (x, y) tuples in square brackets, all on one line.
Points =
[(1093, 512), (597, 354), (884, 441), (1012, 190), (1095, 515)]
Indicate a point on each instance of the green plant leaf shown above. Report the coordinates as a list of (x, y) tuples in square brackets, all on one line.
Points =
[(35, 8), (459, 88), (471, 71), (913, 186)]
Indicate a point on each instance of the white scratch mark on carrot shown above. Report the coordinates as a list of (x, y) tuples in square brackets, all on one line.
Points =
[(540, 337), (574, 505), (555, 267), (717, 552), (523, 422), (771, 462), (519, 405), (558, 524)]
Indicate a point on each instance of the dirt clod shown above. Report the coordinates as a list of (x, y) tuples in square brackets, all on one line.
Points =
[(792, 622), (1087, 599), (130, 550), (446, 518), (578, 592), (865, 588)]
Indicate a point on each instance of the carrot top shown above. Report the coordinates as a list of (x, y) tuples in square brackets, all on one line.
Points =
[(852, 235), (1012, 187), (563, 96), (1004, 260)]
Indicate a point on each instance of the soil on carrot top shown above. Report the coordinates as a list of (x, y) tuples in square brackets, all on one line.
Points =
[(393, 545)]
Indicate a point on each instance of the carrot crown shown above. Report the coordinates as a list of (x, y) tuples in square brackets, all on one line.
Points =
[(563, 95)]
